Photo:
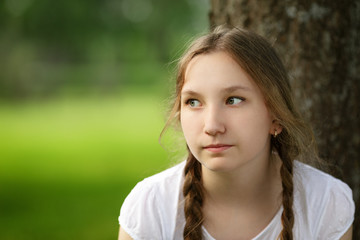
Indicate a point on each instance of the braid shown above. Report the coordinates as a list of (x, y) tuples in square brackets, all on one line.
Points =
[(286, 172), (287, 217), (193, 195)]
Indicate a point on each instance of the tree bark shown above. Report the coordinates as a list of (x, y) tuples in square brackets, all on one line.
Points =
[(319, 42)]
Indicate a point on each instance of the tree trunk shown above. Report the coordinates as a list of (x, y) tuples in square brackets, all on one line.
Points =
[(319, 42)]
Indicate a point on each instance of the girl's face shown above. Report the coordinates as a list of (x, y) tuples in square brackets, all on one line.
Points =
[(223, 115)]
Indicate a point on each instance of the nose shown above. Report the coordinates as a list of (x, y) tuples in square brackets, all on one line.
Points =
[(214, 121)]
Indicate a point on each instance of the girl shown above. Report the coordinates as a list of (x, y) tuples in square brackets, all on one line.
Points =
[(245, 176)]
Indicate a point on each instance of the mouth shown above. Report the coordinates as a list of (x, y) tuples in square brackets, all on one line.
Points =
[(216, 148)]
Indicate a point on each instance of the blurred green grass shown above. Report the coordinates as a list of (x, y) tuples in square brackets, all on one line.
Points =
[(67, 164)]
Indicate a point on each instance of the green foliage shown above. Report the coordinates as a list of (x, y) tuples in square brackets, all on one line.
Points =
[(67, 165), (81, 85), (47, 46)]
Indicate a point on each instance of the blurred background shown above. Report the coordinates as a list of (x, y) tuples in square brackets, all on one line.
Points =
[(84, 89)]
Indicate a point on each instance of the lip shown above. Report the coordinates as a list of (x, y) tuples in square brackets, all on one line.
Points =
[(217, 148)]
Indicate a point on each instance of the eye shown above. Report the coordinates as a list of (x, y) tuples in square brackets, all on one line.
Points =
[(193, 103), (234, 100)]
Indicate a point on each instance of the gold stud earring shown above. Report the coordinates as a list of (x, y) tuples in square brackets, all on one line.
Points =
[(275, 133)]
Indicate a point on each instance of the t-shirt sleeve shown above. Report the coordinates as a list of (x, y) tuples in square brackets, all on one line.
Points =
[(139, 215), (338, 213)]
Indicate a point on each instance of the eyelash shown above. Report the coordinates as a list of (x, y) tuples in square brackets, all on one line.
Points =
[(188, 102), (233, 97)]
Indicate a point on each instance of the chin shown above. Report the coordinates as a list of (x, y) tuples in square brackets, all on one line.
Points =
[(218, 164)]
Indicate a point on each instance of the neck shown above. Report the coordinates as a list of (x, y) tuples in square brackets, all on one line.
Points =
[(254, 183)]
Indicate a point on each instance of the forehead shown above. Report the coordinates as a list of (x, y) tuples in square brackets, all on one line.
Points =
[(218, 69)]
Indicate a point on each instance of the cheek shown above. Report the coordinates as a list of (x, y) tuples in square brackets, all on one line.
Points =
[(184, 124), (189, 126), (251, 125), (191, 134)]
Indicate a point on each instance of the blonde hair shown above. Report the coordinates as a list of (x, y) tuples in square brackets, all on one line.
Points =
[(296, 141)]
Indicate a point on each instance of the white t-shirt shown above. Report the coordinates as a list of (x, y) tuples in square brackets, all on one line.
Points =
[(323, 207)]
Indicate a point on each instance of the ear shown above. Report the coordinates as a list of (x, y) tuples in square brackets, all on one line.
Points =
[(276, 127)]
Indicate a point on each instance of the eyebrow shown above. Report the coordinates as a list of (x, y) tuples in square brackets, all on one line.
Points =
[(226, 90), (234, 88)]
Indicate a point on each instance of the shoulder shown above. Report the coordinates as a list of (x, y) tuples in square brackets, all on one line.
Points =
[(163, 179), (151, 203), (313, 180), (322, 202)]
